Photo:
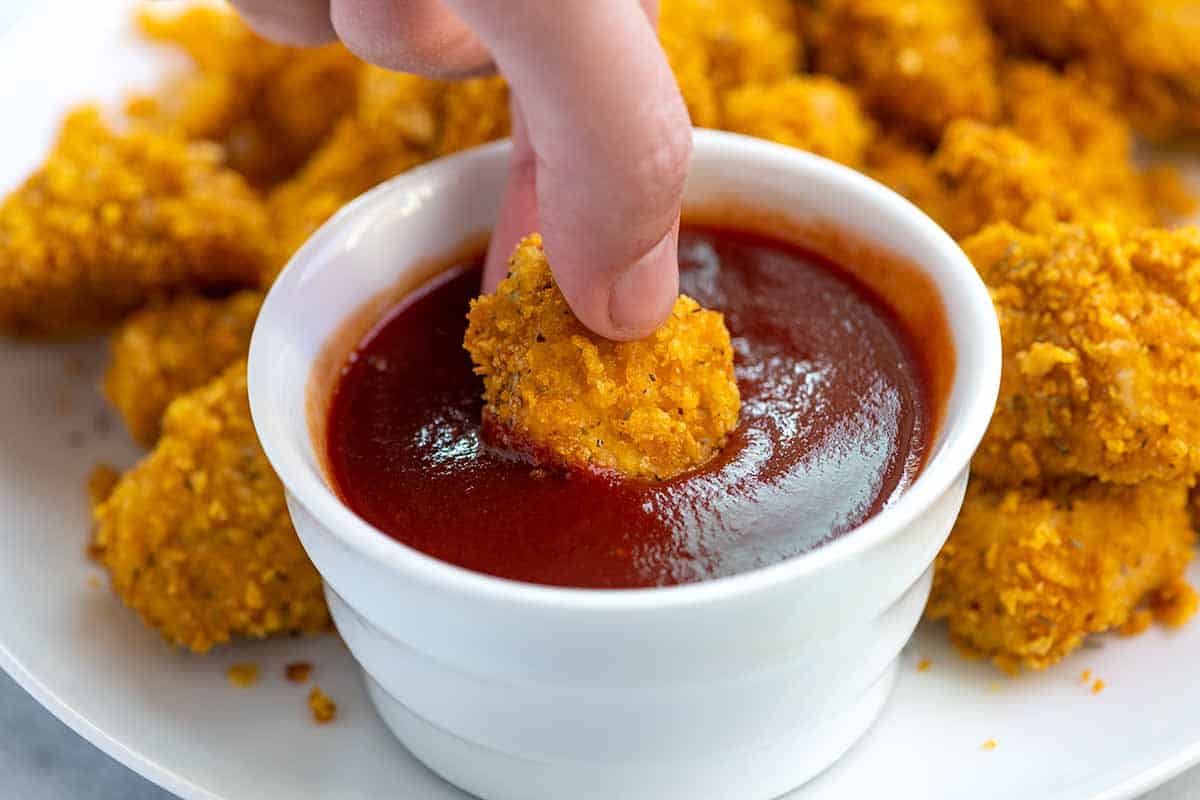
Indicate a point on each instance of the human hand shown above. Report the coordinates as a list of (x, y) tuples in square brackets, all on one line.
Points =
[(601, 137)]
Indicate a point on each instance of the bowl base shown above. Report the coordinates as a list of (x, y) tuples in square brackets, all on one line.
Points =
[(763, 774)]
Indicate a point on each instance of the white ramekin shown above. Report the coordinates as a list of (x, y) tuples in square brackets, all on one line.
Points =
[(743, 687)]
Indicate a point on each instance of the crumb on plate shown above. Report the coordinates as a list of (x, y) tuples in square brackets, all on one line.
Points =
[(323, 709), (298, 671), (243, 675)]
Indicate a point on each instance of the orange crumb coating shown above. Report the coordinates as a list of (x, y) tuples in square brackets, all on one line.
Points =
[(715, 45), (111, 220), (1145, 52), (399, 121), (170, 348), (993, 175), (269, 106), (744, 41), (648, 409), (905, 166), (813, 113), (1029, 572), (196, 538), (916, 63), (1101, 337)]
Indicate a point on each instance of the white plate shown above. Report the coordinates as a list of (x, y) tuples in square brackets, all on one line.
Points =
[(175, 718)]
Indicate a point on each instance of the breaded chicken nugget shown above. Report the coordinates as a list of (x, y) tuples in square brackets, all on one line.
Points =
[(399, 121), (269, 106), (1070, 119), (917, 63), (111, 220), (993, 175), (1028, 573), (1145, 52), (171, 348), (813, 113), (905, 166), (716, 45), (197, 539), (1101, 335), (649, 409)]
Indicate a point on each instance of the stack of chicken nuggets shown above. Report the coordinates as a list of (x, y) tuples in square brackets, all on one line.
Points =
[(1012, 124)]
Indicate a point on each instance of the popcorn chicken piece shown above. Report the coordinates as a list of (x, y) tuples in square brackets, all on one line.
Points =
[(815, 113), (399, 121), (1101, 335), (917, 63), (716, 45), (269, 106), (112, 220), (993, 175), (1145, 54), (649, 409), (1029, 572), (171, 348), (197, 539)]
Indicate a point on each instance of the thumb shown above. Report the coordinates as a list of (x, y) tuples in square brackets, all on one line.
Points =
[(610, 139)]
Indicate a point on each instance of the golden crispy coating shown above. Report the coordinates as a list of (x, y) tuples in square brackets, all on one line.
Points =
[(398, 122), (196, 538), (1062, 114), (269, 106), (111, 220), (1071, 119), (994, 175), (1101, 335), (813, 113), (918, 63), (1145, 52), (906, 167), (171, 348), (648, 409), (1028, 573), (716, 45), (745, 41)]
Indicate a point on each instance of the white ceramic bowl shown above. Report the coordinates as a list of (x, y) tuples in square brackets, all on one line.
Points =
[(743, 687)]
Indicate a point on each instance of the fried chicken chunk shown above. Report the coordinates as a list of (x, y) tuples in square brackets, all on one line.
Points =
[(906, 167), (1145, 52), (993, 175), (269, 106), (917, 63), (171, 348), (1101, 334), (1028, 573), (398, 122), (197, 539), (716, 45), (813, 113), (649, 409), (111, 220)]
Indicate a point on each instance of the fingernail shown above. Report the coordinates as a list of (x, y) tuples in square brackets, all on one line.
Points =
[(642, 296)]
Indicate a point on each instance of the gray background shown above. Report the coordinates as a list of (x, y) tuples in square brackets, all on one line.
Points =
[(42, 759)]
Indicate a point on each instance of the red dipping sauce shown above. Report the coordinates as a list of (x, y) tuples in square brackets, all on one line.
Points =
[(836, 419)]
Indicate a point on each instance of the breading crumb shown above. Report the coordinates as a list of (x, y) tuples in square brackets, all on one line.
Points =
[(924, 664), (243, 675), (1085, 676), (298, 671), (990, 744), (323, 709), (1098, 686)]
